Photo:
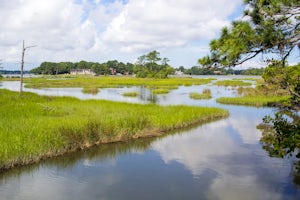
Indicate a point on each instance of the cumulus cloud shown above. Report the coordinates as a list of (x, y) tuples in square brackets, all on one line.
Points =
[(145, 25), (100, 29)]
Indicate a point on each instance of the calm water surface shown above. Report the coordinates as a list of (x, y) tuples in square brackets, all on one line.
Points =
[(218, 160)]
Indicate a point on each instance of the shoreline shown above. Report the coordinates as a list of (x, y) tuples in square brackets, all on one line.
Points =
[(34, 128), (84, 146)]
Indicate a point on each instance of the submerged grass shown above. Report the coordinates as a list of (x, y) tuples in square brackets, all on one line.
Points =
[(34, 127)]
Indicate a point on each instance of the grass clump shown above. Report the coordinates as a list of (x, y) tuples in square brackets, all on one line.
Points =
[(261, 95), (233, 83), (160, 91), (130, 94), (257, 101), (34, 127), (90, 90), (206, 94)]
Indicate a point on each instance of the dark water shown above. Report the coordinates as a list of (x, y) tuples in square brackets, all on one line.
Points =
[(218, 160)]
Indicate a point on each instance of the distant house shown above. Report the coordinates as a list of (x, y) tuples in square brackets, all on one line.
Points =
[(217, 72), (82, 72), (178, 72)]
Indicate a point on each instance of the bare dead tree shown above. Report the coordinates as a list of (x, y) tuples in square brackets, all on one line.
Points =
[(22, 64)]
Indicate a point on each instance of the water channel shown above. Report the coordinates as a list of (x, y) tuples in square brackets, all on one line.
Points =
[(219, 160)]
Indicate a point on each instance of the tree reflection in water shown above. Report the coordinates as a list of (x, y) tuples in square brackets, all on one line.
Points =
[(281, 137)]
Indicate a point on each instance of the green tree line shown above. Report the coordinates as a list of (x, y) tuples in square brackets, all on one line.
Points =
[(109, 67)]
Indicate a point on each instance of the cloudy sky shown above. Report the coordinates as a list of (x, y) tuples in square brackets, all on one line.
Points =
[(102, 30)]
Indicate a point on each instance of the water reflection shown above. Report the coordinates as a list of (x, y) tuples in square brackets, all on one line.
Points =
[(175, 97), (242, 169)]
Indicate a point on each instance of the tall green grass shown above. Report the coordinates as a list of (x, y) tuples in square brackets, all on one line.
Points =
[(233, 83), (35, 127), (111, 81), (206, 94), (261, 95), (90, 90), (130, 94), (160, 91), (257, 101)]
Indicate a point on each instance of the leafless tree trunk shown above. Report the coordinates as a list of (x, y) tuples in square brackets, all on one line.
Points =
[(22, 65)]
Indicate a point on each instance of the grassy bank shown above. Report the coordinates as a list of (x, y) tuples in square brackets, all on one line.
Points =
[(257, 101), (233, 83), (35, 127), (110, 82), (130, 94)]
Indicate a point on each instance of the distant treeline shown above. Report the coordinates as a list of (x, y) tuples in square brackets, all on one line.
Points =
[(115, 67), (13, 72), (110, 67)]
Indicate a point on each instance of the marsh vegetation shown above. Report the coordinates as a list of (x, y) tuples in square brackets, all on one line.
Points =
[(206, 94), (34, 127)]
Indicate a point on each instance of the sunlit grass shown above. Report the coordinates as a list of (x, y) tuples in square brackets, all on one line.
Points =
[(111, 81), (248, 79), (206, 94), (233, 83), (90, 90), (261, 95), (253, 100), (35, 127), (160, 91), (130, 94)]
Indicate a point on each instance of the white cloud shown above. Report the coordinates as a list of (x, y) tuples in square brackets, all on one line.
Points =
[(145, 25), (98, 30)]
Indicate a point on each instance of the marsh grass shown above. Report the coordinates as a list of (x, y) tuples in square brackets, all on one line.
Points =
[(233, 83), (90, 90), (130, 94), (160, 91), (262, 95), (257, 101), (112, 81), (248, 79), (206, 94), (35, 127)]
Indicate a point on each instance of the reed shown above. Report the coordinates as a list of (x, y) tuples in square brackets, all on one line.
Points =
[(257, 101), (233, 83), (111, 81), (206, 94), (130, 94), (160, 91), (90, 90), (34, 127)]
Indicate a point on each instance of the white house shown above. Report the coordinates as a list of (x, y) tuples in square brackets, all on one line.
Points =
[(82, 72)]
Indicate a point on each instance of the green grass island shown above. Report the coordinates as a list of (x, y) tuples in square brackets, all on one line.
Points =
[(33, 127)]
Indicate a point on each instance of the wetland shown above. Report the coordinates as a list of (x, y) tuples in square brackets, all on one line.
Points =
[(219, 159)]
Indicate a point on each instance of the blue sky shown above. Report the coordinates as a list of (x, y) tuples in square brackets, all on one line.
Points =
[(102, 30)]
